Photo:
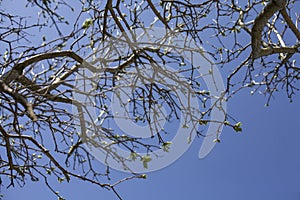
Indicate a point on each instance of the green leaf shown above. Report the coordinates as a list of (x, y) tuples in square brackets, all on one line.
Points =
[(87, 23), (146, 159), (166, 146), (60, 179), (237, 127), (133, 156), (226, 123)]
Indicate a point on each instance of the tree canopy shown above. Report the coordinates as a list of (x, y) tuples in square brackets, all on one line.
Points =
[(134, 61)]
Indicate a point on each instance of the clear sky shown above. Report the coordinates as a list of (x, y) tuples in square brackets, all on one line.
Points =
[(262, 162)]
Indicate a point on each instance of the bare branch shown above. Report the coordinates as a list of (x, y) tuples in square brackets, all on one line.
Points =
[(290, 23)]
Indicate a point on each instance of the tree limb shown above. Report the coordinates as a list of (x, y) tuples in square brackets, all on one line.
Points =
[(19, 98), (44, 150), (290, 23), (259, 24)]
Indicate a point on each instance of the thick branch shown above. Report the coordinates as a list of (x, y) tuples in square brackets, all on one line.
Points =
[(18, 68), (19, 98), (259, 24), (290, 23), (44, 56), (270, 51)]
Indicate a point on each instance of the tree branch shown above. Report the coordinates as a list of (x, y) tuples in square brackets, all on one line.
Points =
[(155, 11), (44, 150), (8, 153), (290, 23), (19, 98), (259, 24), (270, 50), (18, 68)]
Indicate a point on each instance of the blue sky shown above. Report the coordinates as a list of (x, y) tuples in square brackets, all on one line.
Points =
[(262, 162)]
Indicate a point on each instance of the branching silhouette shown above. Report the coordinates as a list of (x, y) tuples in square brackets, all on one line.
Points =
[(44, 54)]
